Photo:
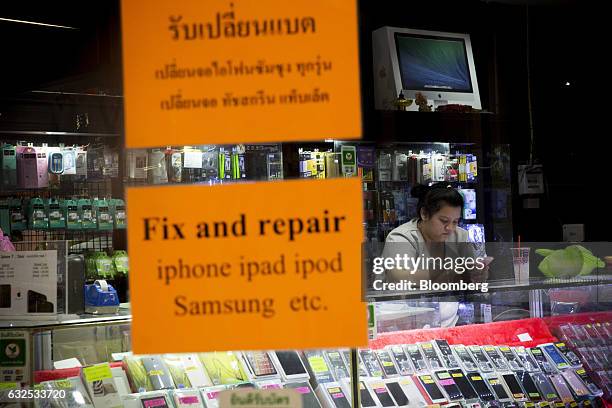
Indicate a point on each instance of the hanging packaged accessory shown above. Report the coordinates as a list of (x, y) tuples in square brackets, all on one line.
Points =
[(18, 219), (348, 160), (69, 161), (103, 214), (117, 210), (9, 167), (86, 214), (72, 215), (57, 213), (37, 214), (81, 162), (56, 163), (27, 167)]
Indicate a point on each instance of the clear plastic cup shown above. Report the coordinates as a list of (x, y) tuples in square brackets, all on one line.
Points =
[(520, 261)]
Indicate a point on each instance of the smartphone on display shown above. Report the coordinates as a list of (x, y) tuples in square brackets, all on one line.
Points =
[(590, 384), (540, 358), (371, 363), (432, 358), (433, 391), (578, 387), (309, 399), (398, 394), (291, 364), (464, 384), (513, 361), (555, 356), (529, 386), (496, 358), (337, 365), (569, 355), (563, 390), (465, 357), (448, 384), (417, 359), (527, 360), (157, 373), (347, 360), (381, 393), (446, 353), (260, 363), (514, 387), (481, 387), (497, 386), (402, 361), (366, 398), (318, 366), (386, 363), (545, 387), (337, 397), (481, 359)]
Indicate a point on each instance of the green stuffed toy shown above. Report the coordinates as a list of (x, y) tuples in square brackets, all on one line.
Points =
[(575, 260)]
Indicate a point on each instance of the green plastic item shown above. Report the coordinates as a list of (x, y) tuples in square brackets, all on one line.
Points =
[(102, 211), (87, 214), (57, 213), (73, 218), (117, 208), (120, 262), (569, 262), (91, 271), (104, 266), (18, 219), (38, 214)]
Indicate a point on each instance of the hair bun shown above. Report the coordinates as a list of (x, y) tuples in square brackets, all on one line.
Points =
[(419, 191)]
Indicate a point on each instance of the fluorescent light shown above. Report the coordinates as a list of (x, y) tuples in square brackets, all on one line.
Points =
[(10, 20)]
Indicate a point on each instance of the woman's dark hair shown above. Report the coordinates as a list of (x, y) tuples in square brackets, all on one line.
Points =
[(433, 198)]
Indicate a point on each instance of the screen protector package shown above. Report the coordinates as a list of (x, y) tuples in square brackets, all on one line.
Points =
[(177, 370), (386, 362), (103, 214), (157, 372), (318, 366), (336, 363), (416, 357), (496, 358), (431, 356), (466, 359), (57, 213), (483, 362), (346, 354), (402, 361), (223, 368), (527, 360), (542, 361), (513, 361), (446, 354), (371, 363)]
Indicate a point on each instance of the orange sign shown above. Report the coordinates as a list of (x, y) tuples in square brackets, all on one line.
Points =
[(219, 71), (246, 266)]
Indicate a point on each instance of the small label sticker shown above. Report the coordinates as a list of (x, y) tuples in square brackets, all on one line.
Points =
[(524, 337)]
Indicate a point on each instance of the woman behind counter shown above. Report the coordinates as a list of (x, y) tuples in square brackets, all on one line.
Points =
[(434, 233)]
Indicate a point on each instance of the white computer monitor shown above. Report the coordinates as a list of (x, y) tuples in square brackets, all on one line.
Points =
[(439, 65)]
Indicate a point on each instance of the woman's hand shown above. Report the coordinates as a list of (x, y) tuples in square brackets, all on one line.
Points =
[(482, 274)]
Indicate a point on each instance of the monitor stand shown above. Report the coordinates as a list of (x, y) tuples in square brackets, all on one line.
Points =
[(439, 102)]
